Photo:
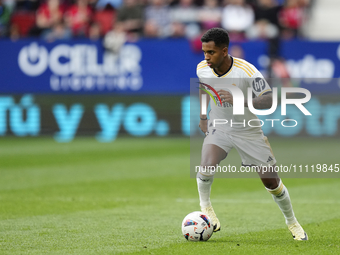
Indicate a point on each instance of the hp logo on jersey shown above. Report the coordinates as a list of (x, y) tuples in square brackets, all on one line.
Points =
[(259, 84)]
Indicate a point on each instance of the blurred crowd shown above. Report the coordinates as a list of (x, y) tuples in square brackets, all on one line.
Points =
[(118, 21)]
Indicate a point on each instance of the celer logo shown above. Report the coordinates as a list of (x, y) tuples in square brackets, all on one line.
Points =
[(79, 66), (33, 60)]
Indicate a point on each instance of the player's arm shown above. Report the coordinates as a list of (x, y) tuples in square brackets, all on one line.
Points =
[(203, 117), (264, 101), (262, 92)]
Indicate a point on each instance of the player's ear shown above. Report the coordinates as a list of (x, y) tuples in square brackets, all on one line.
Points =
[(225, 51)]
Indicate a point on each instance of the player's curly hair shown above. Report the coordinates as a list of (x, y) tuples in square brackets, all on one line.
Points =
[(218, 35)]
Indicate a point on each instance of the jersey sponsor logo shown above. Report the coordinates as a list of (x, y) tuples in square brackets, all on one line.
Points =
[(259, 84), (269, 159)]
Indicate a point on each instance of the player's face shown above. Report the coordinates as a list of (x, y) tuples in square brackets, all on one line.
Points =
[(214, 55)]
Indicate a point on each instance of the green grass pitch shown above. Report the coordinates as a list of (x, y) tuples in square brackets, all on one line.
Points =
[(130, 196)]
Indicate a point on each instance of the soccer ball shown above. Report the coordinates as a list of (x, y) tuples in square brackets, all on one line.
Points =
[(197, 226)]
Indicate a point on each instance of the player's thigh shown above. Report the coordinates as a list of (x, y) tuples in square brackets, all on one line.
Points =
[(212, 155), (256, 152), (216, 147)]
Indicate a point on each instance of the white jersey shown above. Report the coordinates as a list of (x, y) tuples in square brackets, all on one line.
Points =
[(243, 75)]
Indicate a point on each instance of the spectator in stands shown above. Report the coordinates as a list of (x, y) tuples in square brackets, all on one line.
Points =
[(102, 4), (5, 15), (177, 30), (307, 6), (266, 24), (236, 51), (131, 16), (28, 5), (186, 13), (267, 10), (210, 14), (291, 18), (157, 20), (306, 3), (48, 15), (59, 31), (115, 39), (10, 4), (278, 69), (237, 17), (78, 18), (14, 33), (95, 31)]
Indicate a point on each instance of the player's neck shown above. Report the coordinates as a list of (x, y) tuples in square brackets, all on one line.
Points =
[(225, 66)]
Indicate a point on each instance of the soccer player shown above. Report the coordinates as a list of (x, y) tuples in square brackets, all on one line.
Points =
[(249, 141)]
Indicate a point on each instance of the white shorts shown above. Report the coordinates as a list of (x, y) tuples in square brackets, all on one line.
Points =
[(252, 152)]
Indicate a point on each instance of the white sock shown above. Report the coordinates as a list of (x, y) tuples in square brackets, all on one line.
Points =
[(281, 197), (204, 187)]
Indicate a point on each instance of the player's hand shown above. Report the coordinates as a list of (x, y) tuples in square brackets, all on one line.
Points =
[(226, 96), (204, 126)]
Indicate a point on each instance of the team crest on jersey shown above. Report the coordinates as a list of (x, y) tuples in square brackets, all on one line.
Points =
[(211, 95)]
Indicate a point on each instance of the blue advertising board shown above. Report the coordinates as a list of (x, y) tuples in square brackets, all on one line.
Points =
[(146, 67)]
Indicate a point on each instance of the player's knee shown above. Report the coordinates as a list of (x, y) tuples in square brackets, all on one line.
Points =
[(208, 169), (271, 183), (208, 164)]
